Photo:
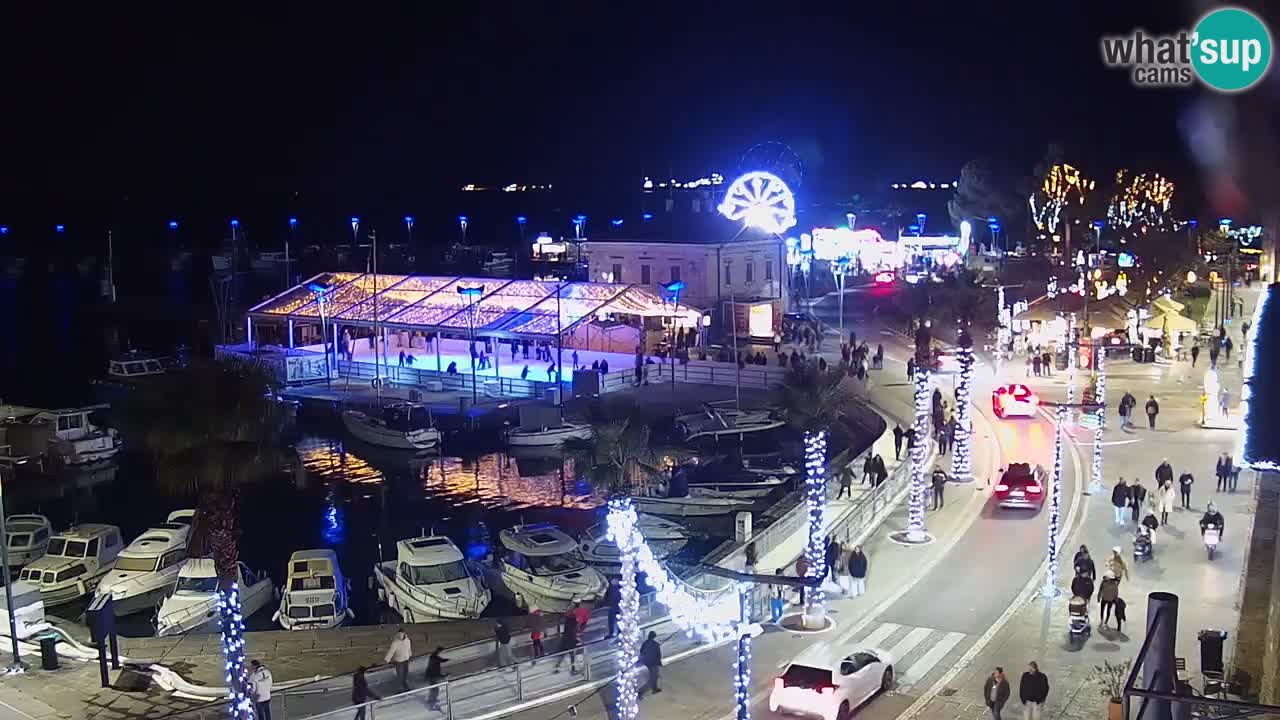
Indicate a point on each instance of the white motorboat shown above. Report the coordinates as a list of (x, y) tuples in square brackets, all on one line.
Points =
[(715, 422), (74, 562), (403, 426), (718, 479), (147, 569), (430, 580), (690, 506), (193, 606), (316, 595), (71, 437), (547, 436), (541, 568), (664, 538), (27, 536)]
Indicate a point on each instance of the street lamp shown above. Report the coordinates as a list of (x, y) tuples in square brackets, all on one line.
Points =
[(840, 268), (673, 288), (462, 224), (920, 218), (293, 228), (319, 290), (579, 223), (16, 666), (472, 295)]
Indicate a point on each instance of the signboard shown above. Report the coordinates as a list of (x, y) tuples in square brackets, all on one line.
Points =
[(304, 368)]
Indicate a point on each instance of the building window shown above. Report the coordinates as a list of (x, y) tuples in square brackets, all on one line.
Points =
[(675, 273), (617, 272), (751, 271), (728, 274), (768, 270), (644, 275)]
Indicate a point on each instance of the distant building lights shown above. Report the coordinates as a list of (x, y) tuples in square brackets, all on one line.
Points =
[(4, 229), (173, 224), (59, 228)]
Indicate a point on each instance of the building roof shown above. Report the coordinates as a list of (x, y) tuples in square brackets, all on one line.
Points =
[(506, 308)]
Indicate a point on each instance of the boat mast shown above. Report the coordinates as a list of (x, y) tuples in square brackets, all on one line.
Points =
[(111, 268)]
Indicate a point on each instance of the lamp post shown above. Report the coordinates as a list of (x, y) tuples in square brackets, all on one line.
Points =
[(579, 224), (293, 228), (839, 268), (520, 223), (673, 288), (408, 225), (993, 224), (462, 225), (16, 666), (319, 291), (471, 295)]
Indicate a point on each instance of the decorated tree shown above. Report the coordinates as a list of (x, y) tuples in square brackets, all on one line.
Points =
[(962, 453), (916, 531)]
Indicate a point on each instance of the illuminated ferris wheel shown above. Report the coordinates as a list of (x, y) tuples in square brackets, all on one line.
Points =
[(760, 200)]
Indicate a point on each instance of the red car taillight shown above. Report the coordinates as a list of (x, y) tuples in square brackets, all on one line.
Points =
[(1033, 489)]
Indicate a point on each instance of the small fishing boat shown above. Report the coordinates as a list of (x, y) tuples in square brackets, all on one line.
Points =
[(716, 423), (26, 536), (430, 580), (69, 436), (74, 562), (673, 499), (664, 538), (316, 595), (547, 436), (720, 479), (403, 426)]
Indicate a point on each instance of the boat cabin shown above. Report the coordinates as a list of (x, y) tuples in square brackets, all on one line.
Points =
[(541, 549), (315, 590), (27, 536), (74, 561), (161, 547), (406, 417), (429, 561), (70, 424), (134, 367)]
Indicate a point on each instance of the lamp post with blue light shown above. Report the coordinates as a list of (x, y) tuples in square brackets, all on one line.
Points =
[(839, 269), (993, 224), (579, 224), (293, 228), (673, 289), (462, 225), (471, 296), (920, 219), (520, 223), (319, 291)]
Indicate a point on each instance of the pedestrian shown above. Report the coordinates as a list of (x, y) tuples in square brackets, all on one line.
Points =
[(1213, 355), (1137, 495), (1166, 502), (651, 659), (515, 350), (831, 558), (1120, 617), (1164, 472), (777, 600), (878, 361), (1082, 587), (1153, 409), (401, 358), (399, 653), (1083, 563), (613, 601), (1185, 481), (575, 358), (1195, 354), (435, 675), (846, 481), (1226, 347), (802, 572), (868, 468), (1046, 362), (1035, 365), (1033, 690), (939, 483), (502, 643), (1234, 477), (524, 374), (750, 558), (582, 614), (1224, 402), (568, 643), (995, 692), (898, 434), (260, 689), (882, 473), (858, 571), (537, 622), (911, 369), (1223, 471), (551, 372), (1108, 591), (1116, 566), (1120, 500), (360, 692)]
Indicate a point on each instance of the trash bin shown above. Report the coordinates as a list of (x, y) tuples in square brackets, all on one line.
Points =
[(1149, 355), (49, 653)]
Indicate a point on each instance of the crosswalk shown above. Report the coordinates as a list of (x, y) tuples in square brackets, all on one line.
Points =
[(921, 654)]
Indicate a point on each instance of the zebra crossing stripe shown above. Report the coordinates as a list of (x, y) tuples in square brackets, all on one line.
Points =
[(879, 635), (908, 643), (921, 667)]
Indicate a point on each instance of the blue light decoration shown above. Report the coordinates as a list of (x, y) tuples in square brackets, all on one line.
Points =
[(59, 228), (616, 222), (408, 220), (4, 229), (173, 224), (961, 455), (917, 531), (647, 216), (1256, 446), (920, 218), (235, 223), (742, 663), (815, 489), (1193, 223), (914, 229), (521, 220), (1100, 418), (231, 621), (1098, 224), (293, 223)]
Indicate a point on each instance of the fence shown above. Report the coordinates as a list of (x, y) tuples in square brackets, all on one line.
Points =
[(503, 387), (752, 376)]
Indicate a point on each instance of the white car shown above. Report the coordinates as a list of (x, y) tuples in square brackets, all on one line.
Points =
[(822, 683), (1014, 400)]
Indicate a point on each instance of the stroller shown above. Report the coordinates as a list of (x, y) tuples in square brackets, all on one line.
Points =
[(1078, 614), (1142, 544)]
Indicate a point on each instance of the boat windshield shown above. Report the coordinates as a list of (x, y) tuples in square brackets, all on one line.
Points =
[(136, 564), (554, 564), (319, 582), (20, 540), (62, 547), (205, 585), (432, 574), (406, 418)]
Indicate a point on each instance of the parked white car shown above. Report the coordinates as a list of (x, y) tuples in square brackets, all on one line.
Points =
[(826, 684)]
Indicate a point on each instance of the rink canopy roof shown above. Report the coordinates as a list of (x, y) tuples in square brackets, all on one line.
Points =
[(506, 308)]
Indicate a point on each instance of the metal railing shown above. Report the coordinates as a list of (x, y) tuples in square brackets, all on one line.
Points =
[(459, 381), (757, 377)]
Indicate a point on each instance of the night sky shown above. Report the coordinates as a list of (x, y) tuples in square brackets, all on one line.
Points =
[(129, 111)]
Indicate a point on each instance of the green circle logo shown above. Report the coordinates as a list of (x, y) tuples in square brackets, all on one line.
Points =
[(1231, 49)]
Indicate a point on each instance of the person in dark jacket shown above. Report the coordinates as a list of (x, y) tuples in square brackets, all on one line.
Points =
[(939, 483), (995, 692), (898, 434), (882, 473), (651, 659), (1108, 591), (1120, 495), (435, 676), (1223, 471), (832, 558), (1120, 618), (502, 639), (360, 692), (612, 600), (1033, 690), (568, 642), (1137, 496), (858, 570), (1082, 587), (1083, 563), (1153, 409), (1164, 473), (1185, 480)]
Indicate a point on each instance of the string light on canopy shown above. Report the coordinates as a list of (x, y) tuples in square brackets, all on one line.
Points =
[(762, 201), (1050, 589), (961, 454), (231, 621), (815, 487)]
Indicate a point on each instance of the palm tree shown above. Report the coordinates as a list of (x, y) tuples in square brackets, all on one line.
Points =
[(619, 454), (210, 429)]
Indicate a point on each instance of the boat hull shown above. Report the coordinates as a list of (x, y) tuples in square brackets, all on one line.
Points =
[(546, 438), (689, 507), (358, 424)]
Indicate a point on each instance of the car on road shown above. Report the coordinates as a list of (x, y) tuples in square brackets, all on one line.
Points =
[(1014, 400), (1022, 487), (826, 683)]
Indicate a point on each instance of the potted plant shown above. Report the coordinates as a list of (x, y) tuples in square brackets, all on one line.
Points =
[(1112, 677)]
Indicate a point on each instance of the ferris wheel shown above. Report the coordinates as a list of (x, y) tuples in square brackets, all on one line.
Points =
[(776, 158), (760, 200)]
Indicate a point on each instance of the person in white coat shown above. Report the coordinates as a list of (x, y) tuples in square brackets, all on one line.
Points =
[(1168, 497), (260, 689), (399, 653)]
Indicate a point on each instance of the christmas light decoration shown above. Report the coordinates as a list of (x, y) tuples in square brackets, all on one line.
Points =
[(1099, 397), (1055, 508), (742, 664), (815, 486), (916, 531), (622, 532), (1062, 185), (1244, 443), (961, 454), (1069, 344), (231, 621), (760, 200), (1004, 319), (1051, 288), (1142, 201)]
